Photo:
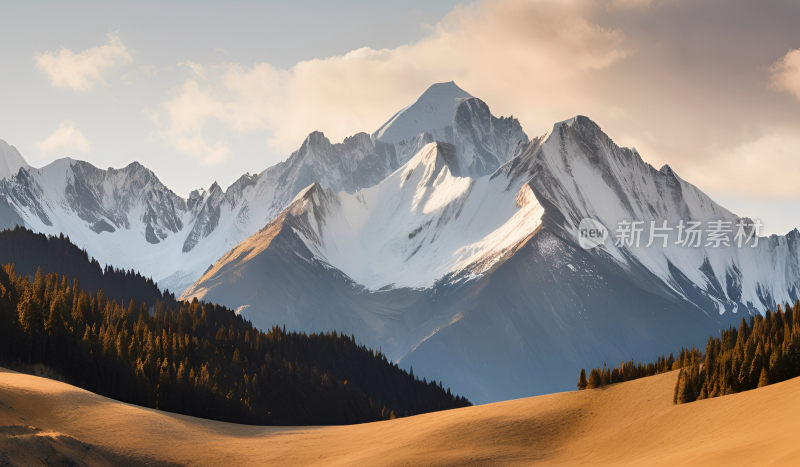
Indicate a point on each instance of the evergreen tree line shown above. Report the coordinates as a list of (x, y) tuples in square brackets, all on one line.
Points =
[(764, 351), (761, 351), (630, 370), (202, 359), (29, 251)]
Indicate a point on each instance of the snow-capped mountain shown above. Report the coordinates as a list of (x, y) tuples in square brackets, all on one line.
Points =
[(419, 224), (480, 280), (10, 163), (129, 219), (446, 238), (581, 173), (432, 113), (10, 160), (446, 113)]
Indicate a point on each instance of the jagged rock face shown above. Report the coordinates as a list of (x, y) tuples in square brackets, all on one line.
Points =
[(357, 162), (432, 113), (578, 173), (509, 304), (10, 160), (446, 113), (483, 141), (418, 225), (105, 200), (22, 192), (207, 218), (127, 218), (447, 239)]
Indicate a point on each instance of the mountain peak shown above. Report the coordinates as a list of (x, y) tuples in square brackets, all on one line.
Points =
[(578, 122), (135, 166), (10, 160), (448, 88), (315, 139), (433, 110), (667, 170)]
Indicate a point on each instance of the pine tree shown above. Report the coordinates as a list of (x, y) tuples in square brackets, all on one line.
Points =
[(201, 359), (763, 380), (582, 380), (594, 379), (686, 392)]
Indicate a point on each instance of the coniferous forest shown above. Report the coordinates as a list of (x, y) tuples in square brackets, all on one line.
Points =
[(30, 251), (764, 351), (761, 351), (197, 358), (630, 370)]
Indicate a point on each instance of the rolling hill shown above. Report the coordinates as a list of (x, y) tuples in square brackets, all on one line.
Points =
[(632, 423)]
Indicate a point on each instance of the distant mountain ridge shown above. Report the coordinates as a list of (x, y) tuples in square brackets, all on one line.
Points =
[(481, 280), (128, 218), (455, 250)]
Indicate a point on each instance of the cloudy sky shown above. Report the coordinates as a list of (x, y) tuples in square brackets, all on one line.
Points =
[(201, 92)]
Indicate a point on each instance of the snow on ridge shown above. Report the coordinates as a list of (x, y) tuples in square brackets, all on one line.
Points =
[(432, 111), (423, 223), (404, 213), (10, 160), (612, 184)]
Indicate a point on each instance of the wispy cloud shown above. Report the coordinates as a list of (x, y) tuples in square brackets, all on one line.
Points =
[(80, 71), (786, 73), (759, 168), (65, 140), (539, 45), (654, 74)]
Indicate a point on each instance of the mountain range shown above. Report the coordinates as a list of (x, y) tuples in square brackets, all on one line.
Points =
[(448, 238)]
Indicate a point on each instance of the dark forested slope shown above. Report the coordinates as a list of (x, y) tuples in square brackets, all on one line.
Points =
[(193, 358), (29, 251)]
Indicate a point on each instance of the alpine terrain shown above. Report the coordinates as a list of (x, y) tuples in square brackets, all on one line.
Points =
[(448, 238)]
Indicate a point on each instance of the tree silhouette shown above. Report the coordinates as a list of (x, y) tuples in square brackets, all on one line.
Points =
[(582, 380), (202, 359)]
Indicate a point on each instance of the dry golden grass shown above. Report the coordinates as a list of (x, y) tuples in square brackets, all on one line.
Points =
[(631, 423)]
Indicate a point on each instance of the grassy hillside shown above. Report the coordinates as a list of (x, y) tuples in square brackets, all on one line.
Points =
[(632, 423)]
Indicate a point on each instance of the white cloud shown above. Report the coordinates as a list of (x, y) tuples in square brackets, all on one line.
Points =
[(786, 73), (653, 74), (196, 68), (79, 71), (493, 46), (764, 167), (65, 140)]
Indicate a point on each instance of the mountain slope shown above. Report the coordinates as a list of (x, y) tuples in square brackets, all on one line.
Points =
[(624, 424), (418, 225), (481, 280), (10, 160), (431, 113), (462, 236), (201, 359), (580, 173), (129, 219), (29, 252)]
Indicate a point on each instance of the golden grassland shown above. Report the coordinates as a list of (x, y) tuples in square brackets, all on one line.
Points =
[(634, 423)]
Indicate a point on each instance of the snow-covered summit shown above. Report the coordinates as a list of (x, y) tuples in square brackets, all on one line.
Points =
[(420, 224), (127, 218), (444, 249), (431, 113), (10, 160)]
